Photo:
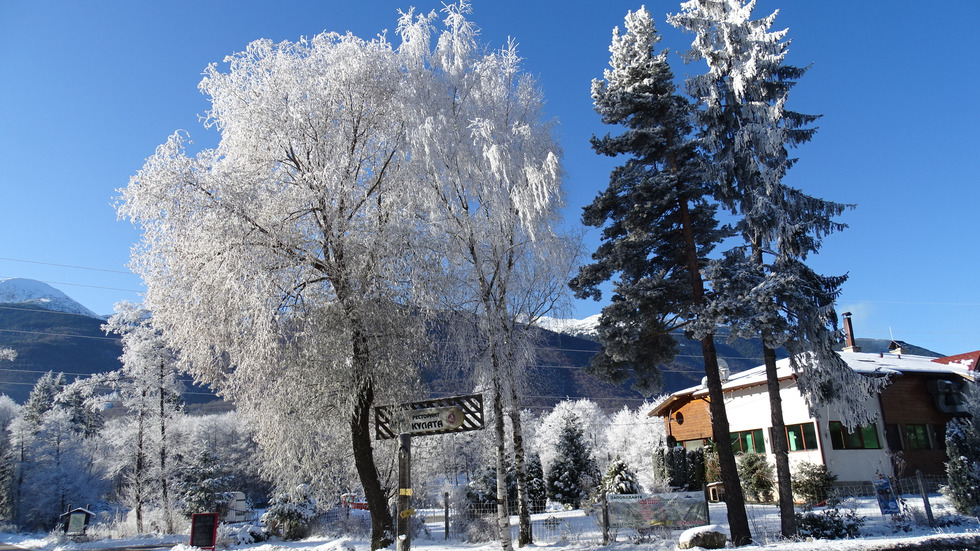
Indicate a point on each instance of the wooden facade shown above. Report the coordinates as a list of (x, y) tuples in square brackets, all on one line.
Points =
[(914, 425)]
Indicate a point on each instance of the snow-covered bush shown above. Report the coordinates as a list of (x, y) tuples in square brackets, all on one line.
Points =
[(829, 524), (620, 479), (812, 483), (290, 513), (756, 474), (963, 465)]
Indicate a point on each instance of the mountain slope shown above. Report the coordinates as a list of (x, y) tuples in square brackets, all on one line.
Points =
[(30, 292)]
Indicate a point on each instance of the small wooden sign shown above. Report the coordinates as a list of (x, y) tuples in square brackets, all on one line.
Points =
[(454, 414), (204, 530)]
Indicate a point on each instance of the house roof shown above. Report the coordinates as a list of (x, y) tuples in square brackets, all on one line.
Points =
[(861, 362), (967, 359)]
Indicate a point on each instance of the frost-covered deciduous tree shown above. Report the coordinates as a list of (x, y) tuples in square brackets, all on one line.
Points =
[(58, 471), (631, 435), (490, 163), (150, 392), (659, 226), (590, 420), (764, 288), (9, 411), (280, 263)]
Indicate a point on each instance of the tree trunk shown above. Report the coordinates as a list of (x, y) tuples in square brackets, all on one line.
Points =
[(738, 520), (381, 522), (139, 471), (787, 511), (168, 518), (525, 536), (503, 516)]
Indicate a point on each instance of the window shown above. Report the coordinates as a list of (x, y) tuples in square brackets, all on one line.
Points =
[(917, 437), (801, 437), (748, 441), (862, 438)]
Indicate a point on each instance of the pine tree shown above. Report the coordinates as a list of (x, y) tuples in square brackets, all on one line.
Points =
[(537, 490), (573, 473), (660, 226), (42, 398), (763, 288), (203, 484)]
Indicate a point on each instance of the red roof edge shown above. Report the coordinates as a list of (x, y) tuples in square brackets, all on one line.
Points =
[(971, 359)]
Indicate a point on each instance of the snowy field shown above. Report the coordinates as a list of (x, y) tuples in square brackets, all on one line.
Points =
[(573, 529)]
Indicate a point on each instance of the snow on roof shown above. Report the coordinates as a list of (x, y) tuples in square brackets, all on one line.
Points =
[(861, 362)]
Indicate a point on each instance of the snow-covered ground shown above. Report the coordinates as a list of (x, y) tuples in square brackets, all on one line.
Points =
[(574, 529)]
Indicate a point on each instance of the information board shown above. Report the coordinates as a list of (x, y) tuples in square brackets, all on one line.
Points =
[(673, 510), (204, 530)]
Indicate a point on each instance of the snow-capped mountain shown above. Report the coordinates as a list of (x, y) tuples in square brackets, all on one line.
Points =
[(584, 328), (35, 293)]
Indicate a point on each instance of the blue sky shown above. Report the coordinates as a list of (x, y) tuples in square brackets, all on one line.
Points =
[(89, 89)]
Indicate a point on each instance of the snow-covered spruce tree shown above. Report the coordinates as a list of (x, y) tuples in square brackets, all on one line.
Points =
[(41, 399), (573, 473), (748, 131), (150, 392), (290, 513), (282, 263), (620, 479), (202, 484), (963, 457), (537, 490), (491, 166), (659, 226)]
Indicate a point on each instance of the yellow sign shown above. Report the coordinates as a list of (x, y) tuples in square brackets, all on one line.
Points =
[(404, 491), (407, 513)]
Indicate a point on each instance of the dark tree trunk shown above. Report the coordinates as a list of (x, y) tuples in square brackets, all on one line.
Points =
[(787, 511), (738, 520), (381, 521)]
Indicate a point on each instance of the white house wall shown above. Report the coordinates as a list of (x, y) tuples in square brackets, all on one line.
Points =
[(748, 409)]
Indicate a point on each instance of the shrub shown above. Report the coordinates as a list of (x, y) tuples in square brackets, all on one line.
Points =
[(290, 514), (812, 483), (829, 524), (757, 476)]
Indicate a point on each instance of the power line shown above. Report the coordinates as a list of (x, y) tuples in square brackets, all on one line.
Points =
[(66, 266), (45, 334)]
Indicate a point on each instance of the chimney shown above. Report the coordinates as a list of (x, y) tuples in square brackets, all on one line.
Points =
[(851, 346)]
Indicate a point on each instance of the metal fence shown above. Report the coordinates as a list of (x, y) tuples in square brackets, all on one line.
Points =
[(478, 523), (910, 485)]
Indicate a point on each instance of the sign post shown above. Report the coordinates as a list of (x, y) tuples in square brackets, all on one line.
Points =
[(405, 511), (441, 416)]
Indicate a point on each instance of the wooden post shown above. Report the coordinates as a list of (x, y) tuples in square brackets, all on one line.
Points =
[(403, 539), (445, 497), (605, 519), (925, 498)]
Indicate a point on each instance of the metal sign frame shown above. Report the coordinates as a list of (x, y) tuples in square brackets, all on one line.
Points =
[(439, 416)]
